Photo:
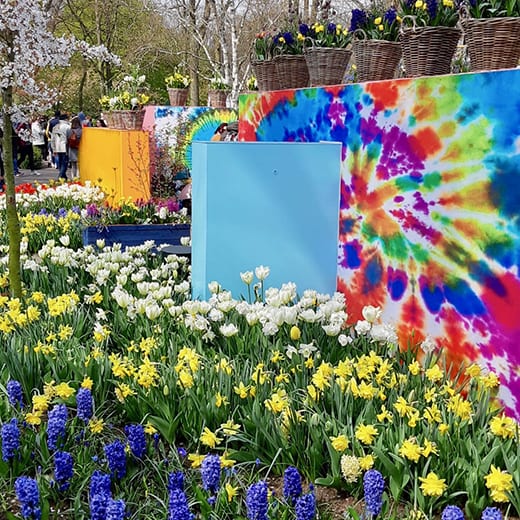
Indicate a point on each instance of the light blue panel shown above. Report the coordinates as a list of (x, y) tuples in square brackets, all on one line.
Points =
[(271, 204)]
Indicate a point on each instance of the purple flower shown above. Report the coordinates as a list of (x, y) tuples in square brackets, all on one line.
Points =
[(176, 481), (432, 8), (29, 497), (331, 28), (115, 509), (210, 473), (178, 508), (84, 404), (358, 19), (304, 29), (491, 513), (10, 434), (63, 469), (373, 486), (452, 513), (99, 495), (116, 458), (92, 210), (14, 393), (136, 439), (292, 484), (56, 425), (390, 15), (306, 507), (256, 501)]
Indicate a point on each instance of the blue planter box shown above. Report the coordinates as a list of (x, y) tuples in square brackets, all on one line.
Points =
[(134, 235)]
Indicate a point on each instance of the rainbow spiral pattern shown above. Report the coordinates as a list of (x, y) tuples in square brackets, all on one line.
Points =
[(430, 204)]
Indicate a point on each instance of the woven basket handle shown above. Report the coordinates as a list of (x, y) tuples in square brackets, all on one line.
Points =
[(413, 19), (464, 13), (360, 34)]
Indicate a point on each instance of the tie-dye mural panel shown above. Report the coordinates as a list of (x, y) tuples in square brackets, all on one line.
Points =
[(430, 204)]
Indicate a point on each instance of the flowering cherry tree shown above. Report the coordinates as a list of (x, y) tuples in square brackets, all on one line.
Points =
[(27, 49)]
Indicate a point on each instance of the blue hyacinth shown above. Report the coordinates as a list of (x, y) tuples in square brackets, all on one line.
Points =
[(452, 513), (115, 509), (116, 458), (292, 484), (178, 508), (176, 481), (358, 19), (29, 497), (373, 486), (56, 425), (136, 439), (256, 501), (10, 434), (15, 393), (491, 513), (99, 495), (210, 473), (63, 469), (84, 404), (306, 507)]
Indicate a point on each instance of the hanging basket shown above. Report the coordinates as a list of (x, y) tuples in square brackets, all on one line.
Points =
[(428, 51), (292, 71), (178, 96), (217, 98), (125, 119), (265, 74), (376, 59), (492, 43), (326, 65)]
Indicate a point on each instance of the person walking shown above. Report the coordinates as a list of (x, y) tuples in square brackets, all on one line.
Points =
[(53, 121), (73, 141), (59, 145), (38, 138)]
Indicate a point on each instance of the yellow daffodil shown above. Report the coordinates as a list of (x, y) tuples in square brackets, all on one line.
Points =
[(339, 443), (366, 433), (410, 450), (432, 485), (96, 425), (231, 491), (499, 483), (208, 438)]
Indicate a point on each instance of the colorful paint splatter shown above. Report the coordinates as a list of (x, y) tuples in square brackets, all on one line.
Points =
[(430, 204)]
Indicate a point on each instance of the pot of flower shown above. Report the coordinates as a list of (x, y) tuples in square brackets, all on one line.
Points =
[(262, 63), (429, 37), (327, 52), (291, 67), (218, 92), (492, 34), (123, 108), (376, 49), (177, 85)]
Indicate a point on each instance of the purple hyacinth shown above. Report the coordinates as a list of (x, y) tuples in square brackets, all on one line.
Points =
[(63, 469), (256, 501), (176, 481), (178, 508), (210, 473), (306, 507), (56, 423), (452, 513), (116, 509), (373, 486), (432, 7), (10, 435), (99, 495), (136, 439), (331, 28), (304, 29), (116, 458), (358, 19), (29, 497), (292, 484), (390, 15), (491, 513), (15, 393), (85, 404)]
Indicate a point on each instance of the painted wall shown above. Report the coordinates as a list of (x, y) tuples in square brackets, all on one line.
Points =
[(430, 204)]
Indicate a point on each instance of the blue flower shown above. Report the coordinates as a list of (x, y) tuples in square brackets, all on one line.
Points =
[(176, 481), (178, 506), (373, 486), (182, 452), (358, 19), (288, 37), (115, 509), (210, 473), (100, 483), (306, 507), (331, 28), (136, 439), (491, 513), (390, 15), (56, 425), (116, 458), (292, 484), (10, 434), (304, 29), (14, 393), (84, 404), (452, 513), (432, 8), (29, 497), (63, 469), (256, 501), (99, 495)]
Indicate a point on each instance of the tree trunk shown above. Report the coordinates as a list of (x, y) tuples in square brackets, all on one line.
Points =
[(13, 223)]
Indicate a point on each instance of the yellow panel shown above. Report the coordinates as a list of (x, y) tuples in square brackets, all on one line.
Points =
[(117, 160)]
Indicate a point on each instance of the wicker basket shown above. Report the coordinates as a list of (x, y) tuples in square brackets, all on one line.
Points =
[(493, 43), (292, 71), (265, 74), (326, 65), (217, 98), (428, 51), (178, 96), (376, 59), (125, 119)]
